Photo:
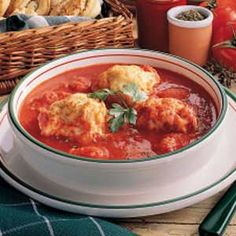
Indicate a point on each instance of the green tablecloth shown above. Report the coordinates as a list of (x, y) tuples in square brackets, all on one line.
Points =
[(22, 216)]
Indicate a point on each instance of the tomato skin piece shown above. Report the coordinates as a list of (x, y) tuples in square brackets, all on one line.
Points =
[(225, 56), (148, 68), (179, 93)]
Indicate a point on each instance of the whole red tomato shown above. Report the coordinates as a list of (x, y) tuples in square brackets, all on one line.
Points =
[(224, 46), (224, 10)]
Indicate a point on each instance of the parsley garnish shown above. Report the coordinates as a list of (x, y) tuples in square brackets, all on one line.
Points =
[(101, 94), (121, 114)]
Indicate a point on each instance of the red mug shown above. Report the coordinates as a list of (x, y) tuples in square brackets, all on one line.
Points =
[(152, 23)]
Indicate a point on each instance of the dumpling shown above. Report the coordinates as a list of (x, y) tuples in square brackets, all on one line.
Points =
[(167, 115), (118, 76), (76, 117)]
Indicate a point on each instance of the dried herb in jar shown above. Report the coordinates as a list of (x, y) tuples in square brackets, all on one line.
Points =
[(191, 15)]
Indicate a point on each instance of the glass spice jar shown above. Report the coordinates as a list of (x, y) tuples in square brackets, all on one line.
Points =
[(152, 23)]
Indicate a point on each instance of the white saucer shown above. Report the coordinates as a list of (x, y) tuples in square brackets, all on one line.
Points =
[(207, 181)]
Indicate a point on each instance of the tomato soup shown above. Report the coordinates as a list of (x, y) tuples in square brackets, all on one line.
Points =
[(87, 113)]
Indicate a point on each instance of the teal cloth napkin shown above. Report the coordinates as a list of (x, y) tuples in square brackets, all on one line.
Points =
[(22, 216)]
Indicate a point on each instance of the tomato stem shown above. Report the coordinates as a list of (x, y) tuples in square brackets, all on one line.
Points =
[(228, 43), (233, 41), (225, 44), (211, 4)]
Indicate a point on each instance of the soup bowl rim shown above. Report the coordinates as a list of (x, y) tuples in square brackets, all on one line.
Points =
[(14, 120)]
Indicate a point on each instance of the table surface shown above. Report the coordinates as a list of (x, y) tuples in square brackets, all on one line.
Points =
[(183, 222)]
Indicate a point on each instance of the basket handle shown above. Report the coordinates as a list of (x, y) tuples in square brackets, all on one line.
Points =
[(120, 8)]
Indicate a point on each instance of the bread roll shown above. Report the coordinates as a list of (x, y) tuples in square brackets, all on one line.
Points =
[(92, 8), (54, 3), (4, 4), (69, 8), (31, 7)]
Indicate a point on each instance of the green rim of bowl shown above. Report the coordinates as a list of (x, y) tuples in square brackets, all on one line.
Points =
[(19, 181), (15, 121)]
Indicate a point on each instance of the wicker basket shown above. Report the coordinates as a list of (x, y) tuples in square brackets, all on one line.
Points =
[(20, 52), (130, 4)]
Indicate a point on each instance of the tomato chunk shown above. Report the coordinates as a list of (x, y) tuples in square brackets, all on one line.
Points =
[(179, 93), (81, 84), (91, 151), (47, 99), (172, 142)]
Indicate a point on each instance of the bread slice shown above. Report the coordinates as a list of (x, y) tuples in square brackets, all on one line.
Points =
[(31, 7), (4, 4)]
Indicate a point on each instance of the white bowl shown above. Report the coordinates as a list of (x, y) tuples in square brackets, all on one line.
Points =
[(116, 177)]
